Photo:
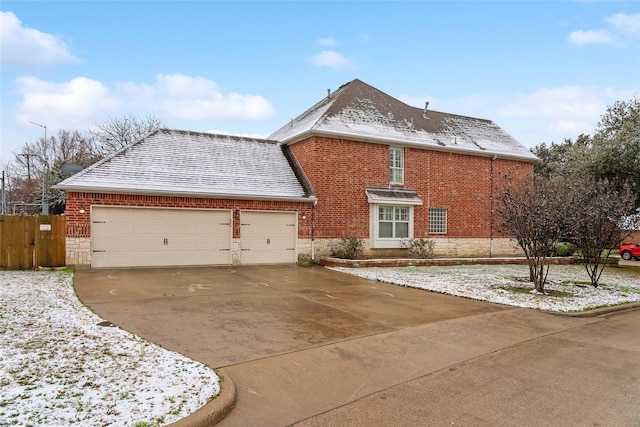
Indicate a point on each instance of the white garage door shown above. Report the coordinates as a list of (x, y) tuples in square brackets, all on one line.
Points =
[(148, 237), (268, 237)]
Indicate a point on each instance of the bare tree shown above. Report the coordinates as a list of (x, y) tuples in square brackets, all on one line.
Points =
[(19, 189), (73, 147), (599, 211), (117, 133), (38, 163), (42, 160), (530, 211)]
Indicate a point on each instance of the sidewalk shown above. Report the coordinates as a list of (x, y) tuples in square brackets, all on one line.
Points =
[(588, 375), (305, 385)]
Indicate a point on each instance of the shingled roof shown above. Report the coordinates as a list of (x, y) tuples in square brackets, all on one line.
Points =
[(173, 162), (358, 111)]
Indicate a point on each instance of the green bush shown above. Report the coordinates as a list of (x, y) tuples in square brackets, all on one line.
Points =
[(565, 249), (421, 248), (348, 248)]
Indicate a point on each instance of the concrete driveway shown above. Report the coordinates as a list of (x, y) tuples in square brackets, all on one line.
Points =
[(312, 346), (224, 316)]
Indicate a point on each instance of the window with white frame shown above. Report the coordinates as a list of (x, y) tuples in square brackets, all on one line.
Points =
[(396, 162), (391, 212), (437, 220), (393, 222)]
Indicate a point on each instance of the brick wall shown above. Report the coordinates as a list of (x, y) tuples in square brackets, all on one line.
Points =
[(79, 224), (339, 171)]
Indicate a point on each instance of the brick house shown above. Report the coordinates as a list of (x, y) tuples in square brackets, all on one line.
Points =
[(359, 163), (187, 198), (386, 172)]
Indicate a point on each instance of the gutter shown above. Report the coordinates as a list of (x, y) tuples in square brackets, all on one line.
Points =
[(168, 193)]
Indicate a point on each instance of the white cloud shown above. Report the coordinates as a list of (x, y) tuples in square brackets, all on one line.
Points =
[(553, 114), (68, 105), (328, 41), (574, 101), (622, 27), (544, 115), (581, 37), (626, 23), (331, 59), (194, 98), (23, 46), (82, 102)]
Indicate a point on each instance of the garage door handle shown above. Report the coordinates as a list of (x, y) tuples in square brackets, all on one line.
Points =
[(98, 251), (166, 242)]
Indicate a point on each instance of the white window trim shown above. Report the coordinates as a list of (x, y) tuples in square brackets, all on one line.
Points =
[(401, 149), (398, 198), (387, 242)]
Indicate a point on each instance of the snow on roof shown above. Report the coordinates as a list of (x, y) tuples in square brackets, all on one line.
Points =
[(359, 111), (197, 164)]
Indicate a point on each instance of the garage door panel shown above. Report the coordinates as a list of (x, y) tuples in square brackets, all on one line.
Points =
[(268, 237), (126, 237)]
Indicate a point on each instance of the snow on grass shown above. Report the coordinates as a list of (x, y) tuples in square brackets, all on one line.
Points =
[(58, 366), (568, 287)]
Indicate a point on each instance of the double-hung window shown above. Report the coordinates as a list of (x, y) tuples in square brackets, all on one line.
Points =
[(396, 162), (393, 222)]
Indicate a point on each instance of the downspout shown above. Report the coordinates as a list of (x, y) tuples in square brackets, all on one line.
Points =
[(313, 230), (491, 202)]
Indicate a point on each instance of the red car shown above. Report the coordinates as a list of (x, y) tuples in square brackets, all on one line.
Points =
[(630, 250)]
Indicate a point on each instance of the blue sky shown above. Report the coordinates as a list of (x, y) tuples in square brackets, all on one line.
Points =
[(542, 70)]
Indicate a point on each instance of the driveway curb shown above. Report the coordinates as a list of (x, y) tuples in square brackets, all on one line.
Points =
[(600, 310), (214, 411)]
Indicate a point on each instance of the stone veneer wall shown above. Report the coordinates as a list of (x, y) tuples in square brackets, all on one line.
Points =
[(444, 248), (78, 250)]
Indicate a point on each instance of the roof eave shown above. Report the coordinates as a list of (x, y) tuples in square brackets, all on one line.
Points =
[(110, 190), (404, 143)]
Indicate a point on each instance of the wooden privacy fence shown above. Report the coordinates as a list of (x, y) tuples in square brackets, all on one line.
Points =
[(28, 242)]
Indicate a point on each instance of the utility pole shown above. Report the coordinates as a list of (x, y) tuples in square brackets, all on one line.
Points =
[(45, 203), (4, 197)]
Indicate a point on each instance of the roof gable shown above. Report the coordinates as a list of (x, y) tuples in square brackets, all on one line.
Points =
[(360, 111), (199, 164)]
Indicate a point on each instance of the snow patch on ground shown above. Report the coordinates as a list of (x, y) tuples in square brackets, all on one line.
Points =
[(568, 288), (59, 367)]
